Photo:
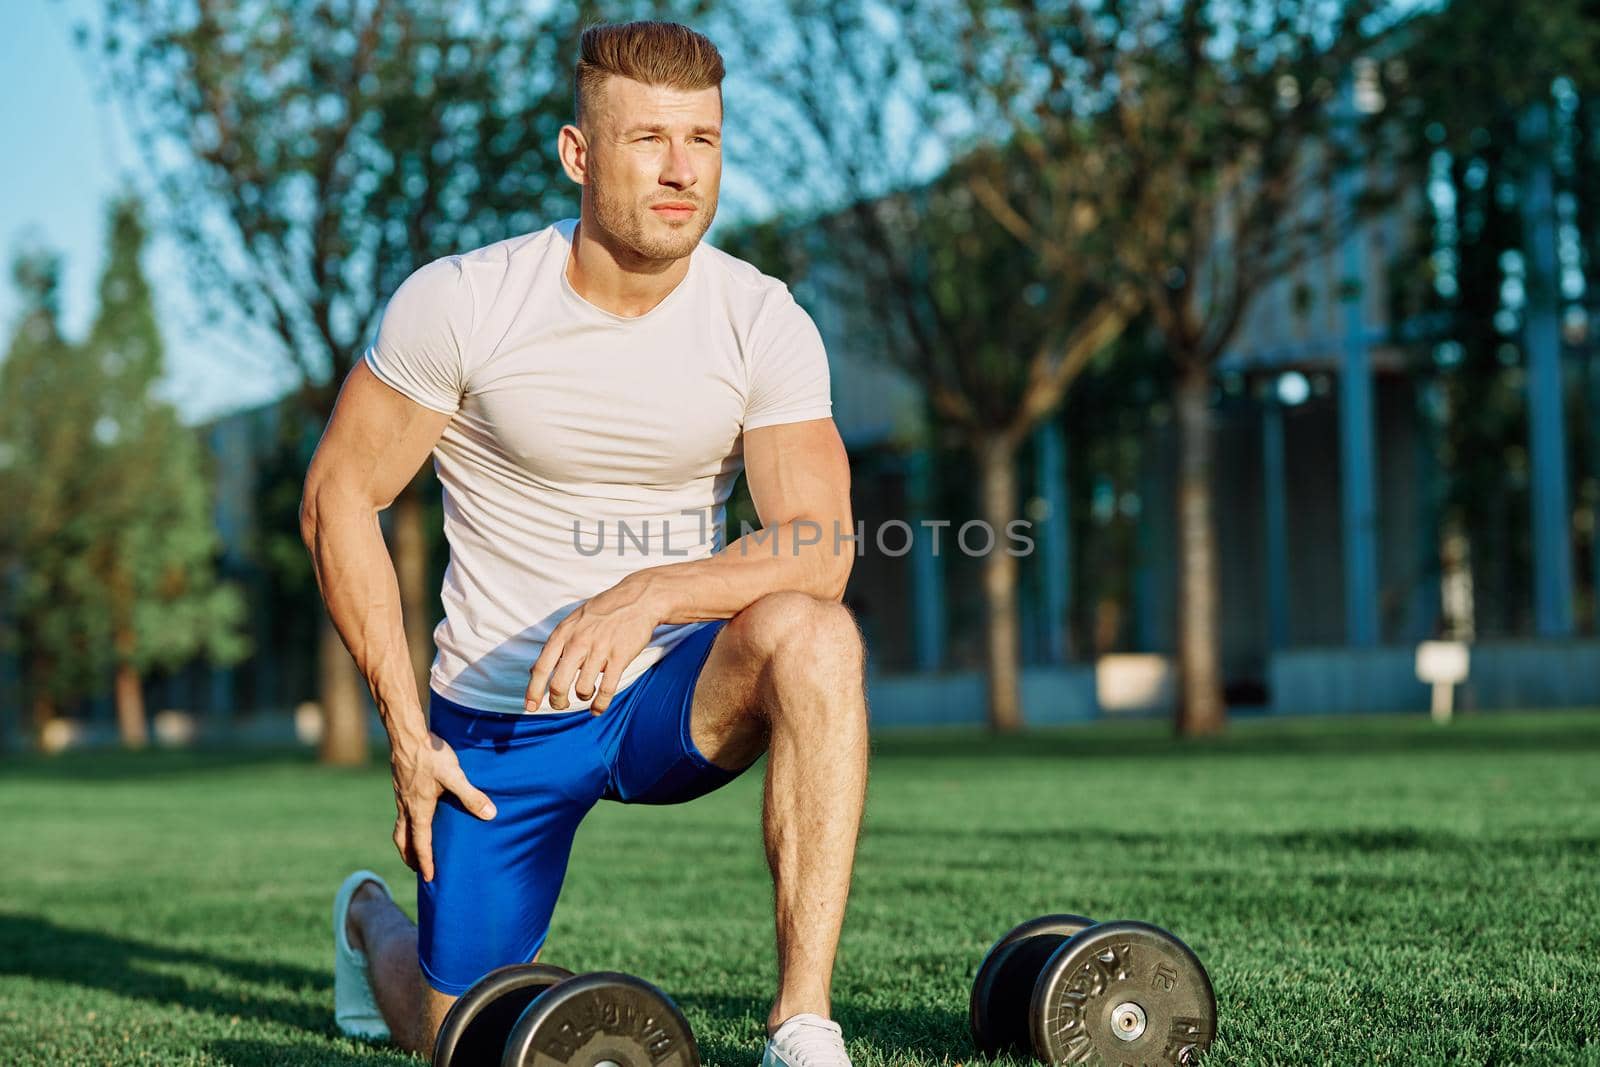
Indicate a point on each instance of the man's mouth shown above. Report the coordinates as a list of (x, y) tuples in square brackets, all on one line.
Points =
[(674, 210)]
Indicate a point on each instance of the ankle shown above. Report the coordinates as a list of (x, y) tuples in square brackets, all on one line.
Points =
[(368, 897), (786, 1008)]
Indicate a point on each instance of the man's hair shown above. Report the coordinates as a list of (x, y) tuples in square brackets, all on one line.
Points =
[(653, 53)]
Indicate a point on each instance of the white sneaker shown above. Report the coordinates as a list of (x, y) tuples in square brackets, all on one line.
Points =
[(806, 1041), (354, 1008)]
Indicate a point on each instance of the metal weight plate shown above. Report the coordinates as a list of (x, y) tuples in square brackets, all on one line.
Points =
[(474, 1031), (1123, 992), (605, 1019), (1003, 987)]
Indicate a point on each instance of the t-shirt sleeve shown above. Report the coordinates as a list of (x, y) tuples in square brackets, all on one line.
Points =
[(422, 340), (788, 366)]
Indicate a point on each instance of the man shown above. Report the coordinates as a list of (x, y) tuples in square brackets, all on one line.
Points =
[(589, 393)]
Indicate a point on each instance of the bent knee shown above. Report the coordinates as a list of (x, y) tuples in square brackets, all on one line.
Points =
[(782, 621)]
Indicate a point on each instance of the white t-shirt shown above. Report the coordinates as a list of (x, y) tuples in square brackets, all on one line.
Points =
[(585, 445)]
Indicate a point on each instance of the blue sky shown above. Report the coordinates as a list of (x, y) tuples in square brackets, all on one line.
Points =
[(66, 152)]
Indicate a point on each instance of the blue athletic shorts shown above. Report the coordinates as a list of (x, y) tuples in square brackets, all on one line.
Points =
[(495, 882)]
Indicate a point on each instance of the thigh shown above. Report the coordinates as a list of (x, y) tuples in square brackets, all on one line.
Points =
[(726, 722), (658, 759), (496, 881)]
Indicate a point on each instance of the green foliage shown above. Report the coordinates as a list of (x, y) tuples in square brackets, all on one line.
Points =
[(1475, 70), (112, 535), (1477, 61), (329, 149), (54, 617), (978, 304)]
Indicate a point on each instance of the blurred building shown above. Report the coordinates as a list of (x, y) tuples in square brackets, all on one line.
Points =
[(1333, 561), (1336, 559)]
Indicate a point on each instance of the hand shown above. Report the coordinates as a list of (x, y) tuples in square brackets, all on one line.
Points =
[(422, 774), (595, 642)]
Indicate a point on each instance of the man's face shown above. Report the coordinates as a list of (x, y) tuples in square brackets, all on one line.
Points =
[(654, 165)]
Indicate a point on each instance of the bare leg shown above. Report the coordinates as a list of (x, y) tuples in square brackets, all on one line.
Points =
[(787, 673), (413, 1009)]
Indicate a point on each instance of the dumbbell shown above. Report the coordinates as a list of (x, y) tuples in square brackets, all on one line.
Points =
[(536, 1015), (1065, 989)]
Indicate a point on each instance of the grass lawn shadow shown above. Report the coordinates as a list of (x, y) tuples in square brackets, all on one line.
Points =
[(272, 992)]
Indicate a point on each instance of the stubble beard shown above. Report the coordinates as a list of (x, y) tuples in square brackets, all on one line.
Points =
[(627, 224)]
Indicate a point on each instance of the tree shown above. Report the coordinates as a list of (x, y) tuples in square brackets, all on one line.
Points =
[(47, 415), (993, 312), (327, 148), (1168, 151), (1146, 155), (1476, 72), (153, 562), (1230, 122), (108, 527)]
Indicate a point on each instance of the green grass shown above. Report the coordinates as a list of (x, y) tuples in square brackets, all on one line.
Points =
[(1362, 891)]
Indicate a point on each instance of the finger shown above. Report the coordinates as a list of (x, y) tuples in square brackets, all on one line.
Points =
[(539, 674), (402, 843), (422, 843), (608, 689), (589, 676), (572, 660), (472, 798)]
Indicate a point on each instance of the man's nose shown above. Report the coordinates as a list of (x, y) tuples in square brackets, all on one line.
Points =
[(678, 170)]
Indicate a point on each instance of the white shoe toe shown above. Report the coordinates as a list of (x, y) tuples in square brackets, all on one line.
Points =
[(355, 1010), (806, 1041)]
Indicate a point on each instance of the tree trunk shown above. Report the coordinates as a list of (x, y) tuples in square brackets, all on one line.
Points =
[(997, 458), (1200, 705), (131, 724), (344, 718), (410, 535)]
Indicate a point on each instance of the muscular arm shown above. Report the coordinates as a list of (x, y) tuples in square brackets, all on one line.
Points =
[(373, 445), (800, 483)]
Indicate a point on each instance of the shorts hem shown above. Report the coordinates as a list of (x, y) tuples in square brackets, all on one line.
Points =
[(456, 989), (686, 721), (449, 989)]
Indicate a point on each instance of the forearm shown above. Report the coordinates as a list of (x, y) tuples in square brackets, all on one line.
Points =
[(769, 560), (362, 594)]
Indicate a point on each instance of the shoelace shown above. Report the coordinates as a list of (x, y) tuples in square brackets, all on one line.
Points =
[(814, 1043)]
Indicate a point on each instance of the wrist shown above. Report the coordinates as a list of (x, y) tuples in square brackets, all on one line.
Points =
[(408, 743), (657, 593), (406, 736)]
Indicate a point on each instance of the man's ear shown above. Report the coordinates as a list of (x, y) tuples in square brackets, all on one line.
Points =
[(573, 149)]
